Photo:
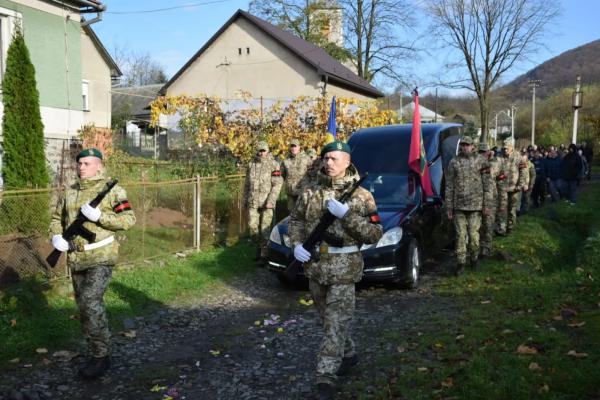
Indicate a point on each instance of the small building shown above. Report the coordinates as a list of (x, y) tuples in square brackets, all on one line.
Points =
[(427, 115), (251, 55), (73, 70)]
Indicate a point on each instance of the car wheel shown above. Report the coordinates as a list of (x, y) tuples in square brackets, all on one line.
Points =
[(413, 266)]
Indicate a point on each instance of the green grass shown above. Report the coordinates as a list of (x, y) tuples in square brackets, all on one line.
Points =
[(553, 267), (34, 315)]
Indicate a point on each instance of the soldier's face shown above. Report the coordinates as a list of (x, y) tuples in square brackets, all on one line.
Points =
[(88, 167), (294, 149), (335, 163), (262, 153)]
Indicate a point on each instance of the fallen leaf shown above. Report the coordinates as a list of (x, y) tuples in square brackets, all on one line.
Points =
[(579, 270), (523, 349), (41, 350), (448, 383), (557, 318), (129, 334), (257, 323), (544, 389), (576, 324), (157, 388), (305, 302), (507, 332), (73, 316), (280, 330), (400, 349), (575, 354), (65, 354), (460, 337), (13, 322), (422, 369), (439, 345), (15, 360), (486, 302), (534, 367), (215, 352)]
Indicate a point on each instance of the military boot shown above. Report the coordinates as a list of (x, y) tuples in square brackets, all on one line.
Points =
[(325, 391), (95, 367), (459, 269), (347, 364)]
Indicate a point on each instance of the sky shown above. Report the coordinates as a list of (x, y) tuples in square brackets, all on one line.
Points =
[(172, 36)]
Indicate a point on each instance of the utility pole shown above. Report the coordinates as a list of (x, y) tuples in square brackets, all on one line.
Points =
[(533, 83), (513, 111), (577, 103)]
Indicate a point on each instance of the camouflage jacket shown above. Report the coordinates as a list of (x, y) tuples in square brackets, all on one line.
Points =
[(530, 175), (293, 169), (116, 215), (516, 173), (310, 177), (359, 226), (467, 186), (494, 177), (263, 182)]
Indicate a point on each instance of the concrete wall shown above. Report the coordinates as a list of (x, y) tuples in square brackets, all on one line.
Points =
[(97, 73), (269, 70)]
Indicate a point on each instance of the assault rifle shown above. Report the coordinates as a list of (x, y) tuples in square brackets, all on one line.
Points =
[(77, 229), (291, 271)]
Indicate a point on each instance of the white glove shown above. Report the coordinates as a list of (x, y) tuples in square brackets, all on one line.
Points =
[(91, 213), (336, 208), (60, 243), (301, 254)]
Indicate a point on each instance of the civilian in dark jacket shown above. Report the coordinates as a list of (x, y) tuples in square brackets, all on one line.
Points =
[(538, 193), (571, 170), (552, 167)]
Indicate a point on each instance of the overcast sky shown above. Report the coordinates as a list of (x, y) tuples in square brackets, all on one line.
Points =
[(173, 35)]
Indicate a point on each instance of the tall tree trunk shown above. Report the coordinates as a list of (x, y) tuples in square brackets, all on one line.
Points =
[(484, 114)]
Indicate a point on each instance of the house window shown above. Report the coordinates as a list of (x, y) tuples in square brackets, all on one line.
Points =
[(85, 93), (8, 20), (239, 51), (247, 50)]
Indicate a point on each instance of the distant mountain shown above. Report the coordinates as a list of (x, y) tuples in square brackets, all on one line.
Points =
[(559, 72)]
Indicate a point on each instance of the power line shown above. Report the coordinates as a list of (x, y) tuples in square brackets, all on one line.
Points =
[(167, 8)]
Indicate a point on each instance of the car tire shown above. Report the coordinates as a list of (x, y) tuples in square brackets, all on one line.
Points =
[(413, 261)]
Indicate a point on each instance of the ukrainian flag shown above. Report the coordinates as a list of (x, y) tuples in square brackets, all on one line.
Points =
[(331, 135)]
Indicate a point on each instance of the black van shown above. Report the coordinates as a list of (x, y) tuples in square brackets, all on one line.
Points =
[(412, 224)]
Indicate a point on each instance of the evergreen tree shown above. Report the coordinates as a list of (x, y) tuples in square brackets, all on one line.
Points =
[(24, 157)]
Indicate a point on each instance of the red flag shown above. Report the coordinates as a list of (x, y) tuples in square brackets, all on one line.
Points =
[(417, 159)]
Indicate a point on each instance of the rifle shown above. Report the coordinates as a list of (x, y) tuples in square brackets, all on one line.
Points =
[(76, 228), (291, 271)]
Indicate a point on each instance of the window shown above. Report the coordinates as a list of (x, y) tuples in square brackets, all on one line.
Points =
[(8, 19), (247, 50), (85, 88), (239, 51)]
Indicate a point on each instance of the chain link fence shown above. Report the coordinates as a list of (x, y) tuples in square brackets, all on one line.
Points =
[(172, 216)]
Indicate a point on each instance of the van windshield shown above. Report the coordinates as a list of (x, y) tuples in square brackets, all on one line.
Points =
[(379, 155), (390, 191)]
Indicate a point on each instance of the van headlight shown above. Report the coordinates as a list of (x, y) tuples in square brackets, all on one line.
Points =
[(275, 237), (391, 237)]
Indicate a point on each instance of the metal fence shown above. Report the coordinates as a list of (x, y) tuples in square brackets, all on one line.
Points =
[(172, 216)]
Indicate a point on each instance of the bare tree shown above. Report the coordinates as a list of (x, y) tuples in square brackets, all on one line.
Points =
[(491, 35), (372, 30), (138, 67)]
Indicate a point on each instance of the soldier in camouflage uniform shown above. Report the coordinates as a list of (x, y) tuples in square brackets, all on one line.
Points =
[(517, 177), (294, 168), (526, 195), (467, 195), (91, 263), (488, 219), (333, 271), (261, 189), (310, 177)]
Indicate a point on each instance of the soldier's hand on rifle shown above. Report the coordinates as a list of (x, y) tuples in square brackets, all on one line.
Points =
[(301, 254), (269, 205), (60, 243), (336, 208), (91, 213)]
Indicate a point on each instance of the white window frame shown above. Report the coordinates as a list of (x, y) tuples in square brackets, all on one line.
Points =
[(8, 19), (85, 94)]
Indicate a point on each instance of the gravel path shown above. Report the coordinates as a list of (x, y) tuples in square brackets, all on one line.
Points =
[(216, 350)]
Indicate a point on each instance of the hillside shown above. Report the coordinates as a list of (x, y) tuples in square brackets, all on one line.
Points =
[(560, 71)]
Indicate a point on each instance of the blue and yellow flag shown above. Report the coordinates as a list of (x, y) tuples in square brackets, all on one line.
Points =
[(331, 135)]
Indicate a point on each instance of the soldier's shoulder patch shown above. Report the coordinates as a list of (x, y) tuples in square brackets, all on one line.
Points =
[(121, 206), (374, 218)]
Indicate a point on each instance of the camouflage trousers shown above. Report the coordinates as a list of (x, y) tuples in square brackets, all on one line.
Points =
[(514, 202), (291, 202), (90, 285), (259, 225), (466, 226), (501, 214), (335, 307), (487, 231)]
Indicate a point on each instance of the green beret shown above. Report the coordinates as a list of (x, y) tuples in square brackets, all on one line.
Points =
[(335, 146), (91, 152), (466, 139)]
